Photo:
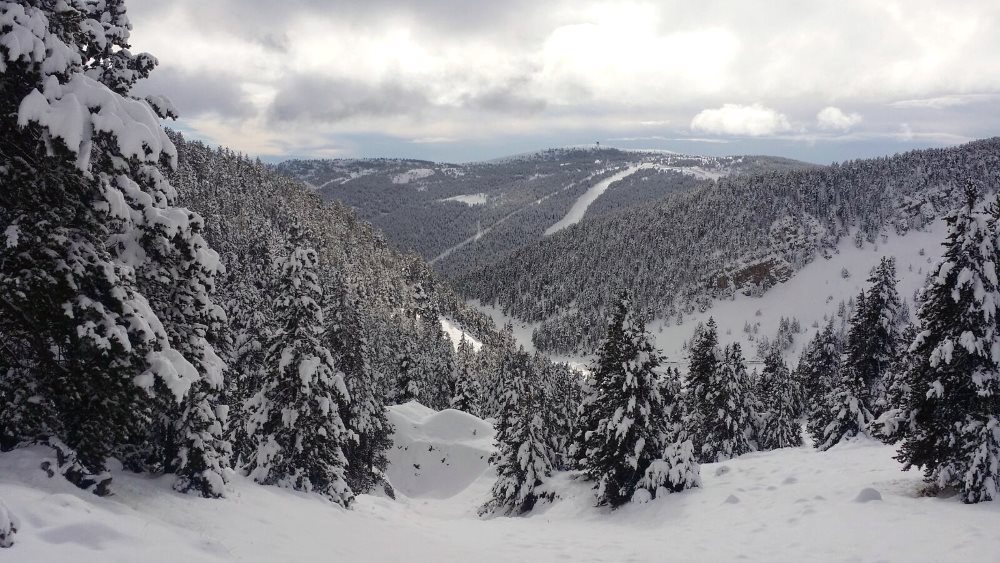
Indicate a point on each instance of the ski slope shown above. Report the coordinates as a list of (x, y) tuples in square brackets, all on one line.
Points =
[(582, 203), (852, 503)]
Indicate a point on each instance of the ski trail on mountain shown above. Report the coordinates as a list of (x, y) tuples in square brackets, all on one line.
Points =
[(580, 206), (481, 231)]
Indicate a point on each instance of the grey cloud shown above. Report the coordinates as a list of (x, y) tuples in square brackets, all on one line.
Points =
[(507, 99), (331, 100), (197, 93)]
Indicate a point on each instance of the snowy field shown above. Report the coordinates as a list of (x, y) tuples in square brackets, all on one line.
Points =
[(852, 503)]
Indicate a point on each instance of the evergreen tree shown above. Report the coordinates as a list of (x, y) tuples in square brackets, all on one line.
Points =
[(89, 219), (467, 393), (777, 394), (727, 411), (629, 428), (677, 468), (408, 378), (365, 416), (522, 460), (703, 365), (874, 336), (819, 370), (297, 419), (951, 400), (842, 413)]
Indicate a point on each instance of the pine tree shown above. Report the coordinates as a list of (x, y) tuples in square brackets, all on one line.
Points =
[(703, 365), (522, 460), (408, 377), (467, 392), (88, 218), (951, 400), (819, 370), (629, 428), (728, 410), (843, 413), (365, 416), (777, 394), (874, 336), (297, 419), (677, 468)]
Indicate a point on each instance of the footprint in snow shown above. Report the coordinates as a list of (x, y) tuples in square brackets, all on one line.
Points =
[(732, 499)]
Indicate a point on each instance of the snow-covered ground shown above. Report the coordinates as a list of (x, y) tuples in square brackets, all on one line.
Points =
[(852, 503), (469, 199), (580, 206), (411, 175), (455, 334), (814, 291)]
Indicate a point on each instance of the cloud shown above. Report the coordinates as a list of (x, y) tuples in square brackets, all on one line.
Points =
[(942, 102), (343, 72), (332, 100), (197, 93), (734, 119), (834, 119)]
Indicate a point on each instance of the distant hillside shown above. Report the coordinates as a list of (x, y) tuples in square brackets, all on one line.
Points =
[(742, 234), (461, 215)]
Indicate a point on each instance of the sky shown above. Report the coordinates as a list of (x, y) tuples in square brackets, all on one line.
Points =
[(458, 80)]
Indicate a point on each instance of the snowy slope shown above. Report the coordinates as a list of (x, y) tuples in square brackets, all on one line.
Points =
[(814, 291), (579, 208), (789, 505)]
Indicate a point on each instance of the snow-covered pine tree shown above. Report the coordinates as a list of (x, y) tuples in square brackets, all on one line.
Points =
[(467, 394), (522, 460), (951, 403), (87, 215), (677, 468), (629, 427), (563, 395), (819, 369), (728, 410), (842, 413), (874, 337), (297, 419), (9, 524), (365, 416), (777, 393), (409, 383), (703, 365), (249, 309)]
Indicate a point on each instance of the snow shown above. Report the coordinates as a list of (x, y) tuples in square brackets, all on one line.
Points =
[(812, 292), (794, 504), (579, 208), (411, 175), (436, 454), (469, 199), (455, 333)]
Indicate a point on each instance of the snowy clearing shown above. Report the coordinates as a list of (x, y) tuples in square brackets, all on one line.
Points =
[(411, 175), (469, 199), (852, 503), (579, 208), (455, 333)]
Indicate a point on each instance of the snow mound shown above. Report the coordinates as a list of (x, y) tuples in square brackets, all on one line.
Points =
[(437, 454), (868, 494)]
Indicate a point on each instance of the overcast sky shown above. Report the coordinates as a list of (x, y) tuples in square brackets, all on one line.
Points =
[(460, 80)]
